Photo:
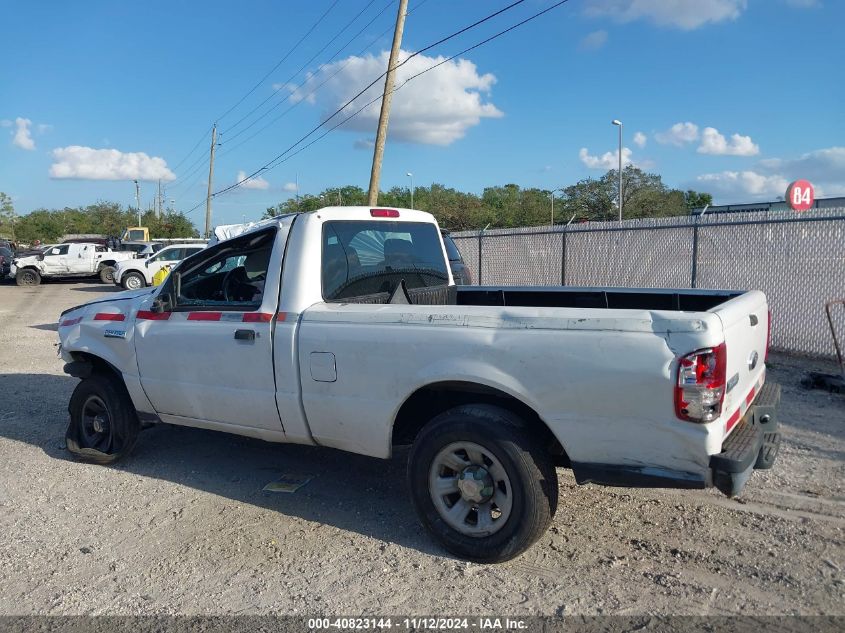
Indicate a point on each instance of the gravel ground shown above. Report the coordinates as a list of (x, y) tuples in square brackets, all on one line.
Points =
[(183, 526)]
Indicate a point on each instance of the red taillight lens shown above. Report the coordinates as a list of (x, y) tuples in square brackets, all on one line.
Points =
[(700, 388), (384, 213), (768, 337)]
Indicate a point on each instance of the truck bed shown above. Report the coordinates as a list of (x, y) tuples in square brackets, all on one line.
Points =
[(691, 300)]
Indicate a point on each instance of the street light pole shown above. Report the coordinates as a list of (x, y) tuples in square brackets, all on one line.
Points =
[(619, 123), (411, 176), (138, 200)]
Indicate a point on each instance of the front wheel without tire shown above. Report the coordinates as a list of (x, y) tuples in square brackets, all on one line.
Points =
[(103, 423), (481, 483), (107, 274), (28, 277)]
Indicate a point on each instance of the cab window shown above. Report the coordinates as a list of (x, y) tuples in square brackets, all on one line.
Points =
[(363, 258), (228, 275)]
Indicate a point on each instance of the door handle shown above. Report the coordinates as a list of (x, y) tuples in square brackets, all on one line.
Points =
[(244, 335)]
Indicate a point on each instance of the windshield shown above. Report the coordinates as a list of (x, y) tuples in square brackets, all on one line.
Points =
[(362, 258)]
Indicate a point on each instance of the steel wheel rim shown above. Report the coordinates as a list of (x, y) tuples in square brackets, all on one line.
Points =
[(28, 277), (96, 428), (458, 482), (109, 275), (132, 282)]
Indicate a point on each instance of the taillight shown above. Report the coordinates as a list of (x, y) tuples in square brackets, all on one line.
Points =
[(768, 337), (384, 213), (700, 388)]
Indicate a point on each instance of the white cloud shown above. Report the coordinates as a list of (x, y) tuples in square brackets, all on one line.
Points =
[(712, 142), (436, 108), (5, 123), (681, 14), (678, 134), (256, 182), (23, 135), (804, 4), (822, 165), (290, 187), (86, 163), (43, 128), (364, 143), (608, 160), (640, 139), (593, 41), (741, 186)]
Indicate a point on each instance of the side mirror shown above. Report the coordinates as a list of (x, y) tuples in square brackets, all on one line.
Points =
[(163, 303), (147, 263)]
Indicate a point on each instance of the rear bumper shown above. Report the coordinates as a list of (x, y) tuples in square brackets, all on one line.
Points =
[(754, 443)]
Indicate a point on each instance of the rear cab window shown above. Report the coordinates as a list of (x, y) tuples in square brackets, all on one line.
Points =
[(368, 257)]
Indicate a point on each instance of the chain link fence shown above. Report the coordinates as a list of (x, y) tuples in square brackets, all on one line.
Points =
[(797, 259)]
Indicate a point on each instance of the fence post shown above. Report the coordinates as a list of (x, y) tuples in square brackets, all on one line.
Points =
[(563, 257), (480, 234), (695, 252)]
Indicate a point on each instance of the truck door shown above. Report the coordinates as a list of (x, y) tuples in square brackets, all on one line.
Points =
[(209, 355), (56, 260), (80, 258)]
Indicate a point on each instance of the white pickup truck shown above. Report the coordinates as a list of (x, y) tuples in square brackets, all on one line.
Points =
[(343, 328), (69, 260), (138, 273)]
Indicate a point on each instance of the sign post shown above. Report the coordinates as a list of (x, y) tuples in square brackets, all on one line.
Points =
[(800, 195)]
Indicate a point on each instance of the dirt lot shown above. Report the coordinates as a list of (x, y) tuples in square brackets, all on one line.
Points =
[(183, 526)]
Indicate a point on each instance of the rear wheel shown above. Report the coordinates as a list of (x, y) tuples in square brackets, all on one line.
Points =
[(103, 424), (107, 274), (481, 484), (133, 281), (28, 277)]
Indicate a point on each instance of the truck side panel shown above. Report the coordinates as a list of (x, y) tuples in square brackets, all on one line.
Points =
[(604, 385)]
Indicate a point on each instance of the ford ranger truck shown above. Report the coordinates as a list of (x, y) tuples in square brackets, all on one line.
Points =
[(343, 328)]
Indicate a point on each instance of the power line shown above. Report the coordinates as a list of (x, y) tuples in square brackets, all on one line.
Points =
[(321, 84), (313, 91), (279, 159), (301, 68), (201, 139), (373, 82), (281, 61)]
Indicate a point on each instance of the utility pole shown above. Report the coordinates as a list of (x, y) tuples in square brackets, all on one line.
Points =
[(138, 200), (210, 179), (381, 134), (158, 200)]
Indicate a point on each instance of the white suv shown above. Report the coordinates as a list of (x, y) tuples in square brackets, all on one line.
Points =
[(137, 273)]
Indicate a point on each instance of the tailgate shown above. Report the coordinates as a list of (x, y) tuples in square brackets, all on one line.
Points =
[(745, 320)]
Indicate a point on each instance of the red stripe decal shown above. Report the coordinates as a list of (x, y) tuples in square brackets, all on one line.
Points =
[(70, 322), (282, 316), (106, 316), (204, 316), (733, 420), (750, 397), (153, 316), (257, 317)]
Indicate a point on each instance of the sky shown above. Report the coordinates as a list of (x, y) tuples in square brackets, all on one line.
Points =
[(733, 97)]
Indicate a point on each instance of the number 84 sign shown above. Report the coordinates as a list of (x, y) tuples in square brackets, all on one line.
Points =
[(800, 195)]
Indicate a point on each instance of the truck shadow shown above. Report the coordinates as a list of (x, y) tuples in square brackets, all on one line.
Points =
[(350, 492)]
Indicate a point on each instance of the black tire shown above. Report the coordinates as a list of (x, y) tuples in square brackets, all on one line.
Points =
[(106, 274), (126, 281), (27, 277), (103, 423), (531, 479)]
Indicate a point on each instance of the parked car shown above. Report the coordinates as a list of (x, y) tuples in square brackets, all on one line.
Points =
[(142, 250), (138, 273), (69, 260), (6, 257), (460, 272), (342, 328)]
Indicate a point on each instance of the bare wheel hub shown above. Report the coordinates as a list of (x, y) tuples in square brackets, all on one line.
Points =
[(476, 484)]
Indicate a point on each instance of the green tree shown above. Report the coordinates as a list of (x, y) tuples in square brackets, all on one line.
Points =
[(8, 217), (696, 199)]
